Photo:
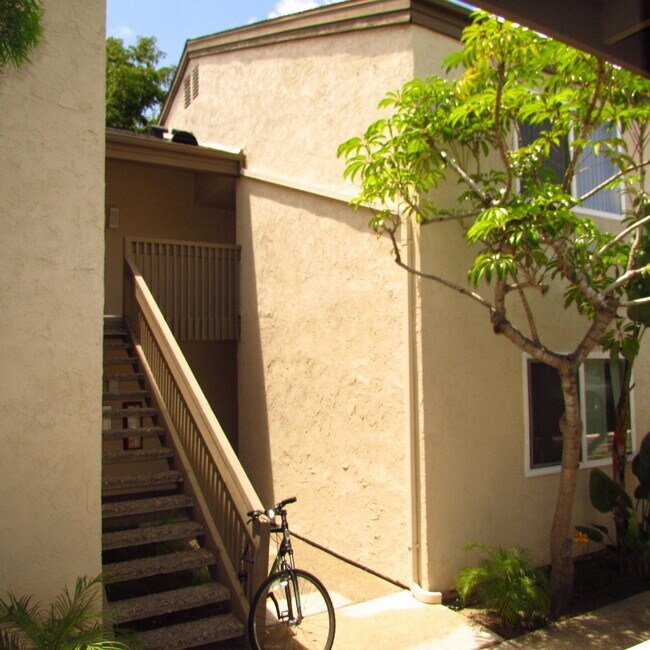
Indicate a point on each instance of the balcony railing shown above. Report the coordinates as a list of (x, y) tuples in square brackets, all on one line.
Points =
[(196, 286)]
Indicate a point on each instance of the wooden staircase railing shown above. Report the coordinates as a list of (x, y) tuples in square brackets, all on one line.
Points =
[(214, 476)]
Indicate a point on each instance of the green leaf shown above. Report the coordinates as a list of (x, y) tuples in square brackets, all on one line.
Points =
[(604, 493)]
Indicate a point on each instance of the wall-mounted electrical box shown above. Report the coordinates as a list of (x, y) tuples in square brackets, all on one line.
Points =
[(113, 217)]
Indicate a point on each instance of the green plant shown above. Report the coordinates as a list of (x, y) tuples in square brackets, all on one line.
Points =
[(72, 622), (507, 584), (20, 30), (632, 548)]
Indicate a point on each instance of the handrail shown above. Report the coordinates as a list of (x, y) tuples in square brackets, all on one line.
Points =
[(222, 491)]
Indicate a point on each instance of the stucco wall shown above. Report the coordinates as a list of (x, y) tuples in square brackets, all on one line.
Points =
[(158, 203), (323, 374), (51, 270), (471, 392), (323, 364), (290, 105)]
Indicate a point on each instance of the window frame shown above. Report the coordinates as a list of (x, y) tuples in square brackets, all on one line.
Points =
[(584, 464), (580, 209)]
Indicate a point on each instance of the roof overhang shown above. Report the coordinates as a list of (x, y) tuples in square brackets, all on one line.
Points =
[(615, 30), (133, 147)]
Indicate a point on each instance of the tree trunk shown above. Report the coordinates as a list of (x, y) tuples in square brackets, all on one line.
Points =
[(619, 450), (560, 541)]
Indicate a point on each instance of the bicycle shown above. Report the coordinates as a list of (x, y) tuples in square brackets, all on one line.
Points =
[(292, 608)]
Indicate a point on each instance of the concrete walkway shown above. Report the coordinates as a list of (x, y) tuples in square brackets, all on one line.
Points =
[(375, 614)]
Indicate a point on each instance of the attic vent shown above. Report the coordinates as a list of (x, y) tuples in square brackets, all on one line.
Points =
[(187, 87), (195, 82), (191, 86)]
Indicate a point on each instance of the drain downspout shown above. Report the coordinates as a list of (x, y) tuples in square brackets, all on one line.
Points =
[(413, 397)]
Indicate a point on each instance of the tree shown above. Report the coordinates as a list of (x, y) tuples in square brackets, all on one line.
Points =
[(497, 129), (135, 87), (20, 30)]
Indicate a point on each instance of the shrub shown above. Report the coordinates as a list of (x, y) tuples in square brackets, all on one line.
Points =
[(507, 584), (632, 550), (72, 622)]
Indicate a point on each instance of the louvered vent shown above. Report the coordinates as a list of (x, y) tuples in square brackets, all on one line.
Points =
[(195, 82), (191, 86), (187, 87)]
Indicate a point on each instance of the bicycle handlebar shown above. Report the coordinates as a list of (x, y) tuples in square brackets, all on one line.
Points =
[(277, 508)]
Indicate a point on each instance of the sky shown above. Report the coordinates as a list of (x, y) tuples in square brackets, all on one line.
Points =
[(172, 22)]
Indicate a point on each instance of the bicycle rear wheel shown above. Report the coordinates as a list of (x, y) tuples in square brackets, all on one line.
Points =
[(291, 611)]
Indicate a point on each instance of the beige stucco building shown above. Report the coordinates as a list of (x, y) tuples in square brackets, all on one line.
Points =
[(387, 404)]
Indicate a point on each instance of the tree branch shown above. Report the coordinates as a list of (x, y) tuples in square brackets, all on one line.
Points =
[(573, 276), (452, 217), (635, 303), (621, 281), (623, 234), (429, 276), (592, 339), (502, 325), (498, 133), (529, 315), (449, 160), (613, 177)]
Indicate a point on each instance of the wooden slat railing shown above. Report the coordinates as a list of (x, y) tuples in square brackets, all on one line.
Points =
[(214, 477), (196, 286)]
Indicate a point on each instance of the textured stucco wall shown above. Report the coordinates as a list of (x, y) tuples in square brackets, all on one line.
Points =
[(322, 374), (290, 105), (471, 387), (51, 272), (323, 365)]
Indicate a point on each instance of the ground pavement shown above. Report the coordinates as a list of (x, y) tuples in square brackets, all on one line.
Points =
[(375, 614)]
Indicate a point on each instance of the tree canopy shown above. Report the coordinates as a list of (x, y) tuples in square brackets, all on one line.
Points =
[(539, 137), (20, 30), (135, 86)]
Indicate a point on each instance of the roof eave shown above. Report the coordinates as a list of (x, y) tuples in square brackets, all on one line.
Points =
[(135, 148)]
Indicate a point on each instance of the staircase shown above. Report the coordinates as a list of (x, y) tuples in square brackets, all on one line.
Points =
[(159, 581)]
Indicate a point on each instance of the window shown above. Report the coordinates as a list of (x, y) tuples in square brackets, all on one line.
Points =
[(599, 387), (592, 169)]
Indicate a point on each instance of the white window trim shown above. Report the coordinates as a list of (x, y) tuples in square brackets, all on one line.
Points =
[(585, 464)]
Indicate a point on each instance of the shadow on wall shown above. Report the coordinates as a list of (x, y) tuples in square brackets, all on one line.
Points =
[(254, 443)]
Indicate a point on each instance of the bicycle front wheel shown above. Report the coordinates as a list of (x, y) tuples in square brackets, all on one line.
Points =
[(291, 610)]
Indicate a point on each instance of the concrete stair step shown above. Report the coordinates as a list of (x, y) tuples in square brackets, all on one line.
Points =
[(189, 635), (130, 394), (124, 376), (145, 432), (115, 330), (112, 344), (137, 455), (128, 481), (157, 565), (120, 361), (131, 411), (150, 535), (166, 602), (145, 506)]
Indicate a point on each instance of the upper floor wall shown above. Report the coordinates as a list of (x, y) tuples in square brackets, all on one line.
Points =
[(290, 90)]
